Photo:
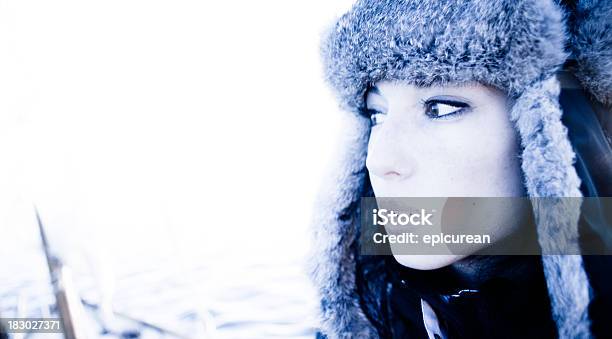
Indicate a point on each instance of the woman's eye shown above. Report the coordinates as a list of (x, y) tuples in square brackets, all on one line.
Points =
[(438, 109), (377, 118)]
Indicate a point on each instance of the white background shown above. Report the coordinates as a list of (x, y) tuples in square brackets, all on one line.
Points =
[(196, 130)]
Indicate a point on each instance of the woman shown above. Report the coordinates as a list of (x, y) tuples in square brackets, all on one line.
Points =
[(479, 99)]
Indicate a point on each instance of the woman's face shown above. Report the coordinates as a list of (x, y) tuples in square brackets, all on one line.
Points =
[(450, 141)]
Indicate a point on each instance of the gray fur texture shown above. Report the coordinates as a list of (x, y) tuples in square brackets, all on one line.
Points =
[(506, 44), (333, 266), (514, 45), (592, 47), (547, 164)]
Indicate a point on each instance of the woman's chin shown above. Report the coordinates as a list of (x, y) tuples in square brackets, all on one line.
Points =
[(427, 262)]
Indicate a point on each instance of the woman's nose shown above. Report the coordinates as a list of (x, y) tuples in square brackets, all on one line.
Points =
[(390, 158)]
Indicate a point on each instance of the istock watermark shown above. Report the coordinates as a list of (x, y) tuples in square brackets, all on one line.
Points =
[(383, 217), (483, 225)]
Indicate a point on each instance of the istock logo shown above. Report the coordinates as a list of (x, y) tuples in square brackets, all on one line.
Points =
[(383, 217)]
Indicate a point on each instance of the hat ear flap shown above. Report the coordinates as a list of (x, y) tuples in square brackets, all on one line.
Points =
[(547, 155), (336, 228), (569, 292), (552, 182)]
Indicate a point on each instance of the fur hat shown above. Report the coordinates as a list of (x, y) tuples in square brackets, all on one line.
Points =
[(516, 46)]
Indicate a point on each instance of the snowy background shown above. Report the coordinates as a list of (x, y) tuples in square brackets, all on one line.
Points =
[(173, 150)]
